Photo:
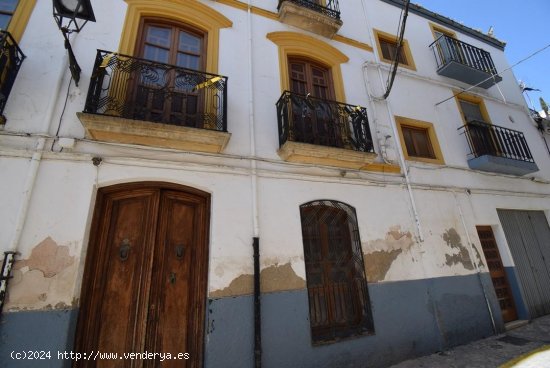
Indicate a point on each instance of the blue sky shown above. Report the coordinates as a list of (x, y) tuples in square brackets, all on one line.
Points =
[(523, 25)]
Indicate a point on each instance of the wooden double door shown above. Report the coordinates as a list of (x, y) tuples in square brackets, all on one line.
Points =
[(144, 285)]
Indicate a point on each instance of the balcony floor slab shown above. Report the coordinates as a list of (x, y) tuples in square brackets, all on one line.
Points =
[(332, 156), (467, 74), (128, 131), (502, 165)]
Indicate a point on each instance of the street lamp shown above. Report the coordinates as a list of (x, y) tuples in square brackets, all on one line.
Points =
[(71, 16), (67, 13)]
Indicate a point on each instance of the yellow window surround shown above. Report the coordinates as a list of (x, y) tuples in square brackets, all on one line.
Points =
[(437, 28), (380, 35), (474, 100), (429, 127), (190, 12), (20, 18), (297, 44)]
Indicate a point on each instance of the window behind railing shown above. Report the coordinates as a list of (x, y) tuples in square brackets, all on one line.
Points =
[(11, 58), (493, 140), (135, 88), (306, 119), (339, 304), (447, 49)]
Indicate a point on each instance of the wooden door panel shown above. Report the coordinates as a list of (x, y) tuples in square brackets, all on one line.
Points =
[(111, 317), (173, 285), (498, 273)]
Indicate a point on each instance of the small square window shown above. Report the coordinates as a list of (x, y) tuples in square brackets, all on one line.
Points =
[(387, 50), (419, 141)]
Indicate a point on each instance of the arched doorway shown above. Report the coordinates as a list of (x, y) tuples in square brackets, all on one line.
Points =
[(144, 284)]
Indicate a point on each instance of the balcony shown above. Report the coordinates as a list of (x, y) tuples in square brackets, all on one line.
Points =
[(137, 101), (324, 132), (318, 16), (498, 149), (463, 62), (11, 58)]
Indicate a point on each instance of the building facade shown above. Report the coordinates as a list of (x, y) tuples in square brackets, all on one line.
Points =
[(386, 228)]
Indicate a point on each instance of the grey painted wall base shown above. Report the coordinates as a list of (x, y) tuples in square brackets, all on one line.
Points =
[(513, 280), (411, 318), (49, 331)]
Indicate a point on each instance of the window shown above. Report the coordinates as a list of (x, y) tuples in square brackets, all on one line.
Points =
[(14, 15), (172, 44), (193, 13), (387, 50), (480, 135), (167, 94), (471, 111), (292, 44), (339, 303), (7, 9), (310, 77), (418, 140)]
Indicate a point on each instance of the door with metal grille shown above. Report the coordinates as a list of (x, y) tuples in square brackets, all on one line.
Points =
[(498, 273), (528, 235)]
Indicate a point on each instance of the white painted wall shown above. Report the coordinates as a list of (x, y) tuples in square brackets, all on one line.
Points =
[(64, 192)]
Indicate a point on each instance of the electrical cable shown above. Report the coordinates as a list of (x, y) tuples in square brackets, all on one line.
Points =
[(402, 25), (62, 113)]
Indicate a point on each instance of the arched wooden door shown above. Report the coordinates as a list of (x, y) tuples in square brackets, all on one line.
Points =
[(144, 285)]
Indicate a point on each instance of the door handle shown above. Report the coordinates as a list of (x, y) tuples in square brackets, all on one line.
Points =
[(124, 250), (180, 250)]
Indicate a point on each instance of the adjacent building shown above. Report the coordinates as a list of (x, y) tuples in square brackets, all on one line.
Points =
[(204, 135)]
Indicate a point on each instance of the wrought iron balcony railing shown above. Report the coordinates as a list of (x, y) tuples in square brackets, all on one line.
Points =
[(329, 7), (316, 121), (11, 58), (129, 87), (462, 61), (493, 140)]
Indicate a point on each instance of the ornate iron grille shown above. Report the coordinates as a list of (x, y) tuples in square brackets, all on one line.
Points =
[(447, 49), (135, 88), (11, 58), (312, 120), (339, 303), (494, 140), (331, 8)]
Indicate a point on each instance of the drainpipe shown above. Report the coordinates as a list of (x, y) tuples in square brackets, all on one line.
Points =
[(28, 188), (257, 306), (403, 164), (254, 193), (478, 270)]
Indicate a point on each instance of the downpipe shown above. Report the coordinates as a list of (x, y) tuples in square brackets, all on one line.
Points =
[(257, 305)]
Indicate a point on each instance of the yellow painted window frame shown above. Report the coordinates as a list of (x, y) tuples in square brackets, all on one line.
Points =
[(437, 28), (20, 18), (388, 37), (293, 44), (184, 11), (472, 99), (429, 127)]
